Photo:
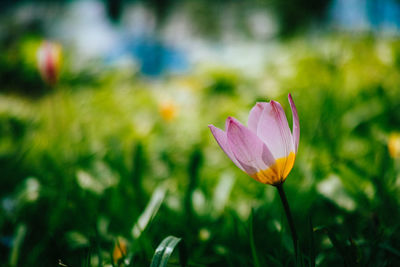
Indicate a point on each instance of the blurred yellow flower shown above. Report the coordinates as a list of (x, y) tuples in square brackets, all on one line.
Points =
[(119, 250), (49, 57), (394, 145), (168, 110)]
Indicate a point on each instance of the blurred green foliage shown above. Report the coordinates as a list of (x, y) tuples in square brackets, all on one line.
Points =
[(297, 15), (292, 16), (80, 164)]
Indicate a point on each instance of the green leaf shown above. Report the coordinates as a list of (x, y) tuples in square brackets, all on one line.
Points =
[(19, 238), (341, 248), (252, 244), (139, 166), (389, 248), (312, 243), (353, 251), (165, 250), (194, 166), (151, 210), (76, 240), (299, 256)]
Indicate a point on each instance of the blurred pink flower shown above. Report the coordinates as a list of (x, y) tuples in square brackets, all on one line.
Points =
[(49, 61), (266, 148)]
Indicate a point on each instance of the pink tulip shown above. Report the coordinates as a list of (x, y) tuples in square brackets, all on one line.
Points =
[(266, 149), (49, 59)]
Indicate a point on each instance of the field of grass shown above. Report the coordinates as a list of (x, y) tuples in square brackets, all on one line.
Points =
[(98, 170)]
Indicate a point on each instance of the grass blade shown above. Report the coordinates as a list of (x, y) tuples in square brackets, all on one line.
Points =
[(151, 210), (139, 165), (165, 250), (19, 238), (252, 244), (195, 162), (342, 249), (312, 242)]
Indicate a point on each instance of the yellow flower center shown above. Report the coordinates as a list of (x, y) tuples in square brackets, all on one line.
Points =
[(277, 173)]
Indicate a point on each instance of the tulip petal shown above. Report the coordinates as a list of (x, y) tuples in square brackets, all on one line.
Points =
[(222, 140), (49, 57), (296, 124), (255, 115), (248, 149), (274, 131)]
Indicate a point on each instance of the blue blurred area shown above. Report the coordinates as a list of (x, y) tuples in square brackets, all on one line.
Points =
[(154, 57), (375, 15), (86, 23)]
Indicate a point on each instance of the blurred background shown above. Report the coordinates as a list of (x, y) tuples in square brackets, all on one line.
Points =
[(105, 149)]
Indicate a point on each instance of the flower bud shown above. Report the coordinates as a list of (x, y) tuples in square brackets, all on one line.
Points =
[(49, 60)]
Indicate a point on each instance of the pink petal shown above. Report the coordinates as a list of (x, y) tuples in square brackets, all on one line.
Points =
[(248, 149), (255, 115), (48, 61), (274, 131), (221, 138), (296, 124)]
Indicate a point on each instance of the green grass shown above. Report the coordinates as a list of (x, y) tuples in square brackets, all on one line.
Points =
[(80, 164)]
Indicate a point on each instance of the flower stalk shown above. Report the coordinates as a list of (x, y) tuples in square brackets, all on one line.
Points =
[(289, 217)]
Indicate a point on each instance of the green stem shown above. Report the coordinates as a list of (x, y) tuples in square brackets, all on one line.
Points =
[(288, 216)]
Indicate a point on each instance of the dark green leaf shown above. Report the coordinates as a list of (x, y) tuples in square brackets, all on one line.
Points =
[(312, 243), (252, 244)]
